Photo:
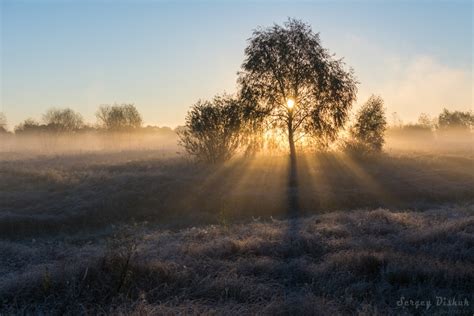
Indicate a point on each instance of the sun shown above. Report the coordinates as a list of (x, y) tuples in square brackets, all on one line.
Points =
[(290, 103)]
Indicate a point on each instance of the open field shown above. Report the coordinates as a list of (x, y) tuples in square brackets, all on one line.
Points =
[(339, 263), (147, 231), (236, 158), (62, 193)]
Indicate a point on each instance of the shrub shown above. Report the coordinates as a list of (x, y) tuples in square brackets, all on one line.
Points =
[(369, 128), (213, 130)]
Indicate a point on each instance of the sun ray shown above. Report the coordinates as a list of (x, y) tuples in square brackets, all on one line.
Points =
[(364, 178), (260, 184)]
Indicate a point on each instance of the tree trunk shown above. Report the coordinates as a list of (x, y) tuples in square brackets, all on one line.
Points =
[(291, 140), (293, 202)]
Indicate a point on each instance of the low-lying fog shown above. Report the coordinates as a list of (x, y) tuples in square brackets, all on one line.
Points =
[(25, 146)]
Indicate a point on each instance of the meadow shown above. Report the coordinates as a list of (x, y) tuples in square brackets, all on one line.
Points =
[(142, 229)]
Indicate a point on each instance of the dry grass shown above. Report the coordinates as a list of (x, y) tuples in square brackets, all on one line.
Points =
[(340, 234), (54, 194), (359, 262)]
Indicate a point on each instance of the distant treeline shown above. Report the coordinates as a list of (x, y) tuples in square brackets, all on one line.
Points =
[(126, 118), (445, 121), (110, 119)]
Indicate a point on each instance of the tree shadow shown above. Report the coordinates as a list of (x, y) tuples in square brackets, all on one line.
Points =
[(293, 198), (293, 188)]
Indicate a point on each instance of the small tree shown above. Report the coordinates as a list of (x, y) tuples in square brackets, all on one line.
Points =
[(29, 126), (63, 120), (370, 124), (455, 120), (213, 129), (116, 117), (425, 121), (3, 123)]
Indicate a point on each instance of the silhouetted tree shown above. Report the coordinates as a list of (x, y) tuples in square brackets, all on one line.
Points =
[(425, 121), (423, 128), (254, 124), (116, 117), (370, 124), (297, 83), (455, 120), (3, 123), (63, 120), (29, 126), (213, 129)]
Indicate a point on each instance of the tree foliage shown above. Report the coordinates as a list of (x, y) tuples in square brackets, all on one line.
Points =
[(29, 126), (455, 120), (63, 120), (116, 117), (3, 123), (213, 130), (370, 124), (426, 121), (288, 62)]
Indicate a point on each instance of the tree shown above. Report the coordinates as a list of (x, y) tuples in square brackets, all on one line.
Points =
[(3, 123), (213, 129), (455, 120), (425, 121), (63, 120), (423, 128), (370, 124), (297, 83), (116, 117), (29, 126)]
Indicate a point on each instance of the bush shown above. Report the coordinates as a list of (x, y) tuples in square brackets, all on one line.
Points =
[(213, 130), (369, 128)]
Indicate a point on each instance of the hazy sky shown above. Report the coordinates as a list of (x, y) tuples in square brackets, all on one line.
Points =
[(165, 55)]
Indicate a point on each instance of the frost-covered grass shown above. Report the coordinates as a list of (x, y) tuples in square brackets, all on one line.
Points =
[(67, 193), (336, 263), (149, 232)]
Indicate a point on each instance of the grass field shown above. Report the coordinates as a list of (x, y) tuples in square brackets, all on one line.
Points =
[(149, 232)]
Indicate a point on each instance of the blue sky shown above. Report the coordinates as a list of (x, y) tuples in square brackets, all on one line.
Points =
[(165, 55)]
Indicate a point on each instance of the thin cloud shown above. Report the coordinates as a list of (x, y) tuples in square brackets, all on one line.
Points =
[(426, 85), (410, 85)]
